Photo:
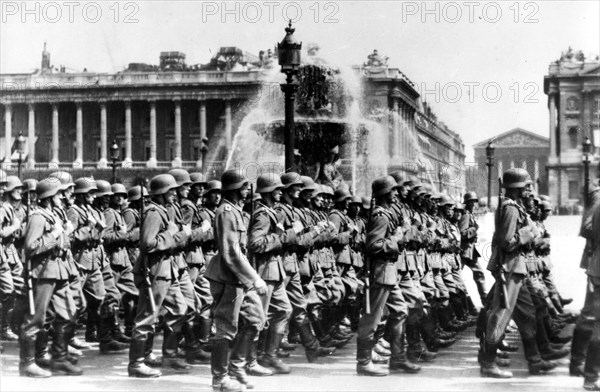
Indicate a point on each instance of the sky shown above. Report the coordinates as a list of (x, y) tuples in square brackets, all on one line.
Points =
[(480, 64)]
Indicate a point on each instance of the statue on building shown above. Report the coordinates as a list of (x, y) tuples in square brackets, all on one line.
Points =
[(570, 56), (46, 67), (376, 60)]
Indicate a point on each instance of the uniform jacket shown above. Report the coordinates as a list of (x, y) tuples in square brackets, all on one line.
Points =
[(468, 232), (131, 217), (116, 241), (287, 215), (45, 251), (508, 248), (266, 241), (382, 247), (10, 234), (86, 237), (61, 214), (209, 247), (342, 236), (586, 230), (230, 265), (191, 216), (593, 261), (181, 239)]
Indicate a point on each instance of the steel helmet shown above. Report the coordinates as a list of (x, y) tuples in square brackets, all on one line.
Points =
[(134, 193), (383, 186), (12, 183), (470, 196), (445, 201), (85, 185), (291, 178), (181, 176), (397, 176), (459, 207), (546, 205), (515, 178), (30, 184), (212, 186), (356, 200), (197, 178), (104, 188), (232, 180), (64, 177), (267, 183), (118, 189), (340, 195), (161, 184), (48, 187), (545, 198), (366, 203), (309, 184)]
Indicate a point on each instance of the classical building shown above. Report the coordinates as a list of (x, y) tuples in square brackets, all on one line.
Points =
[(573, 89), (166, 115), (515, 148)]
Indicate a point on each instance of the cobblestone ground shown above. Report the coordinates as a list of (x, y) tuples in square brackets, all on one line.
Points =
[(455, 369)]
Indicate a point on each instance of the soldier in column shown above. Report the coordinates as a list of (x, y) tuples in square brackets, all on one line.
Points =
[(159, 240), (110, 335), (512, 237), (7, 287), (45, 245), (11, 232), (235, 287), (385, 293), (189, 256), (117, 239), (197, 188), (470, 256), (265, 243), (288, 214), (356, 255)]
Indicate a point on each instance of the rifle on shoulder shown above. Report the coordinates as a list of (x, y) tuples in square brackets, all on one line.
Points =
[(367, 262), (144, 258), (504, 299)]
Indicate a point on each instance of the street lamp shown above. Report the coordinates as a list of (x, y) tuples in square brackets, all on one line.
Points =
[(114, 155), (288, 53), (203, 151), (489, 153), (440, 176), (587, 146), (20, 150)]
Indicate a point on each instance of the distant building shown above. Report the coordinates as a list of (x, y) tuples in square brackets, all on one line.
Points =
[(515, 148), (573, 89)]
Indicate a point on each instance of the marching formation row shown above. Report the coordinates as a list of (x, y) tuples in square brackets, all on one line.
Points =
[(236, 275)]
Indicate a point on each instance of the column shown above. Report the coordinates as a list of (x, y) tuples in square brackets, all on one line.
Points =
[(127, 158), (202, 117), (54, 161), (8, 135), (103, 162), (31, 137), (552, 109), (78, 163), (536, 175), (228, 131), (396, 143), (177, 158), (152, 163)]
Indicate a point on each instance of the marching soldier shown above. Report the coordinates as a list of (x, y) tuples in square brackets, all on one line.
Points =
[(212, 199), (511, 299), (159, 240), (235, 287), (385, 293), (45, 242), (468, 231)]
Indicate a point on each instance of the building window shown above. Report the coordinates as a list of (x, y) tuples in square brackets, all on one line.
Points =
[(574, 189), (573, 138)]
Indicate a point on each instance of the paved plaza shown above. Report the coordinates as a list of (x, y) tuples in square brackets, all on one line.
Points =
[(455, 369)]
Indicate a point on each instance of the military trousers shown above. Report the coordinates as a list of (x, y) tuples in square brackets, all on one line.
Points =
[(202, 289), (276, 306), (382, 298), (233, 304)]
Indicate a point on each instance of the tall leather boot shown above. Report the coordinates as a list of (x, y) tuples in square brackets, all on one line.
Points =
[(219, 360), (117, 332), (252, 366), (169, 351), (581, 340), (130, 310), (311, 345), (416, 352), (546, 351), (239, 352), (8, 302), (59, 351), (42, 356), (480, 283), (399, 360), (535, 362), (137, 366), (592, 367), (149, 358), (108, 345), (430, 337), (457, 306), (204, 327), (92, 322), (193, 352), (27, 365), (270, 358), (364, 363), (471, 306), (487, 361)]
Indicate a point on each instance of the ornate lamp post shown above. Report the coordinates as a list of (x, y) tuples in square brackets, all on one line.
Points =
[(20, 150), (114, 156), (587, 146), (203, 151), (288, 52), (440, 177), (489, 153)]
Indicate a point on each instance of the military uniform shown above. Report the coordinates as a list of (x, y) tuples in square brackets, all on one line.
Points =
[(469, 256)]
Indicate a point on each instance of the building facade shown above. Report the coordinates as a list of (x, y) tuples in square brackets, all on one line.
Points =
[(515, 148), (165, 116), (573, 89)]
